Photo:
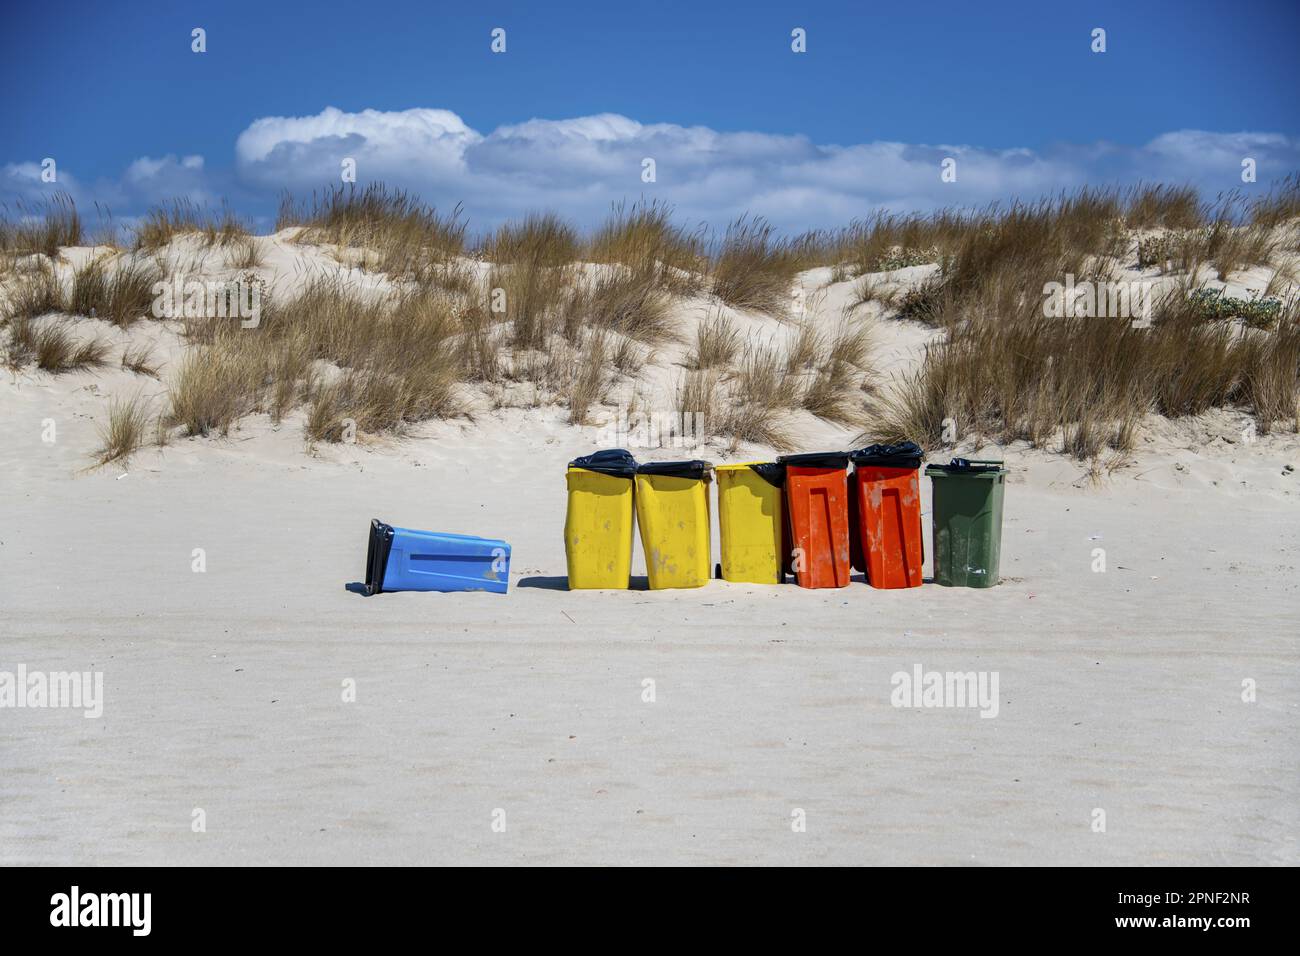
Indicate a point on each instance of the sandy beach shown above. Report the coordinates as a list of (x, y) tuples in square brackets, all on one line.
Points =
[(224, 691)]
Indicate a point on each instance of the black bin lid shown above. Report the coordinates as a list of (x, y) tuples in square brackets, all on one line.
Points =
[(612, 461), (816, 459), (676, 469), (378, 547), (905, 454), (770, 471), (968, 466)]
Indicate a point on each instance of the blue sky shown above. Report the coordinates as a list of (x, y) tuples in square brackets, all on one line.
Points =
[(712, 92)]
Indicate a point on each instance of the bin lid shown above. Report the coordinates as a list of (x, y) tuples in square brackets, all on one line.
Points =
[(676, 469), (768, 471), (816, 459), (378, 547), (905, 454), (968, 466), (612, 461)]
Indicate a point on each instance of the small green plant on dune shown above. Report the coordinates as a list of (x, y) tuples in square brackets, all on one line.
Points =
[(1258, 311), (1163, 249), (903, 258)]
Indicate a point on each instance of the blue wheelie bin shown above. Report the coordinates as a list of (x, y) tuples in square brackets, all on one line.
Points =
[(401, 559)]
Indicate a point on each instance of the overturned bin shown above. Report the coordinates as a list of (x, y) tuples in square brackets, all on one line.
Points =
[(403, 559)]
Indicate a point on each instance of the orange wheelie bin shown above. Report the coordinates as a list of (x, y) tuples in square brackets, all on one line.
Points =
[(817, 499), (886, 488)]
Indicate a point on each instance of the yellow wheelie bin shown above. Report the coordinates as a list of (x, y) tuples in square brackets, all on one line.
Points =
[(598, 523), (672, 508), (751, 523)]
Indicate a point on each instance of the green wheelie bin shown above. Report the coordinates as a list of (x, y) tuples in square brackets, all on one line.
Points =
[(967, 522)]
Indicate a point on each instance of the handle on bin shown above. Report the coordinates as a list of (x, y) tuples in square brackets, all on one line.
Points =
[(966, 464)]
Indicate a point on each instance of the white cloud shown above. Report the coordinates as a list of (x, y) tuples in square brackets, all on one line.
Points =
[(578, 166), (146, 169), (21, 183), (410, 145), (1202, 153)]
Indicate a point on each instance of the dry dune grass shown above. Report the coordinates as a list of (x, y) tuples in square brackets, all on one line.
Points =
[(1280, 206), (588, 382), (405, 237), (754, 269), (533, 275), (1224, 246), (1267, 375), (35, 292), (717, 343), (140, 360), (1229, 247), (214, 387), (117, 292), (1002, 265), (888, 241), (42, 228), (361, 365), (184, 217), (748, 390), (127, 430), (1094, 221), (1080, 385), (761, 395), (1007, 371), (871, 288), (565, 317), (1158, 205), (632, 304), (245, 253), (644, 239), (19, 343), (53, 346), (385, 361), (553, 310), (480, 346)]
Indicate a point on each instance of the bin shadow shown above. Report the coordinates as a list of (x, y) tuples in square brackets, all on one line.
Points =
[(561, 583), (356, 587), (862, 577), (545, 582)]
